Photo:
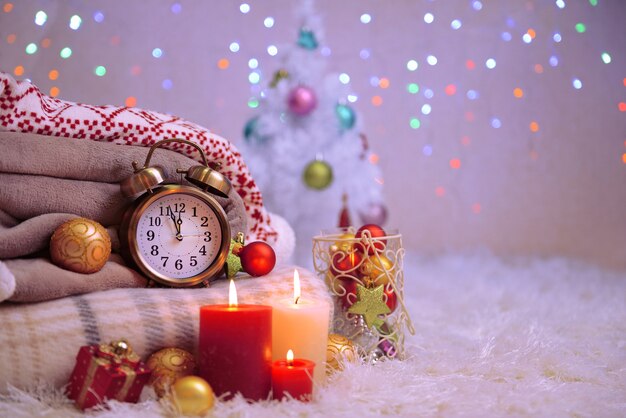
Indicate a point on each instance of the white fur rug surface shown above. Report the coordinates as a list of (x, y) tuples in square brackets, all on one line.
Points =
[(495, 338)]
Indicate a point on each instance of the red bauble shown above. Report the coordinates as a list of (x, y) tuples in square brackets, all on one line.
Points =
[(349, 298), (375, 232), (345, 263), (257, 258), (392, 299)]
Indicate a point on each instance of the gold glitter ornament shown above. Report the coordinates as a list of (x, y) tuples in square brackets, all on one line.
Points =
[(168, 365), (370, 305), (338, 350), (278, 76), (192, 395), (80, 245)]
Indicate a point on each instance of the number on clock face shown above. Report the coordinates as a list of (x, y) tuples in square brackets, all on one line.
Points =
[(178, 235)]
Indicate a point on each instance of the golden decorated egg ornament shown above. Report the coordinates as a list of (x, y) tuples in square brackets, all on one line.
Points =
[(168, 365), (338, 350), (80, 245)]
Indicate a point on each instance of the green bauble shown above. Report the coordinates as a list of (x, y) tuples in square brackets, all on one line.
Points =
[(346, 116), (318, 175), (306, 39)]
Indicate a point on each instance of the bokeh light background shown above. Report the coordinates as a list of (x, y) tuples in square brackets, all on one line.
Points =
[(499, 124)]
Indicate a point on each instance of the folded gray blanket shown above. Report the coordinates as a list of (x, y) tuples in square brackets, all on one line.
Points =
[(45, 181)]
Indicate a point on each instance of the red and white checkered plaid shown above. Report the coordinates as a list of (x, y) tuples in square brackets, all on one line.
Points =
[(24, 108)]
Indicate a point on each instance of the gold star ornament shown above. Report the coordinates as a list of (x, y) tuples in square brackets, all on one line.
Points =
[(278, 76), (370, 305)]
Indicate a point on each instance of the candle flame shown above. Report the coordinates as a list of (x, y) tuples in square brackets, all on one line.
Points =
[(290, 358), (296, 286), (232, 294)]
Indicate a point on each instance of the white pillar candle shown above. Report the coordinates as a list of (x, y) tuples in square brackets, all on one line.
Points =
[(301, 324)]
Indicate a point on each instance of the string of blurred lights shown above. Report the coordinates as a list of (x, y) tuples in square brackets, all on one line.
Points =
[(422, 94)]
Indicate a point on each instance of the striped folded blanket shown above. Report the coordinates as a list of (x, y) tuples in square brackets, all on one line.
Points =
[(39, 341)]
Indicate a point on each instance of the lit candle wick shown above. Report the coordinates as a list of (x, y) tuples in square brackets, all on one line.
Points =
[(290, 358), (296, 287)]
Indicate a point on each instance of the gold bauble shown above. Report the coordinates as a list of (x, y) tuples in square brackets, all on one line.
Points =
[(192, 395), (80, 245), (345, 242), (373, 270), (120, 347), (167, 365), (338, 350)]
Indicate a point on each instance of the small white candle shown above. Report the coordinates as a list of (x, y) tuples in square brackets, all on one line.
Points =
[(301, 324)]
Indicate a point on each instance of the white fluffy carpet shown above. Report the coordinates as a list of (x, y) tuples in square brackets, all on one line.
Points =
[(540, 338)]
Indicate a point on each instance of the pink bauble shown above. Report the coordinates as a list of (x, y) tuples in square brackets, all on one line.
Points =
[(374, 213), (302, 100)]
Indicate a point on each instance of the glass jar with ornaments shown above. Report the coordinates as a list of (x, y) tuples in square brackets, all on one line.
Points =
[(363, 271)]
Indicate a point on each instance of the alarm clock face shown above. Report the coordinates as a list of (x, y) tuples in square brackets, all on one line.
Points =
[(180, 236)]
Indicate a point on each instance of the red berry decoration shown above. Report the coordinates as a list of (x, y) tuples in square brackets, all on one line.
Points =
[(257, 258), (375, 232), (343, 263)]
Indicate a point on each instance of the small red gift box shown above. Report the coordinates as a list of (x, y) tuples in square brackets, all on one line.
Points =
[(107, 371)]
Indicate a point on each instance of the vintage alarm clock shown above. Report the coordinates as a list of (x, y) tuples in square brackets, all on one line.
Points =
[(177, 235)]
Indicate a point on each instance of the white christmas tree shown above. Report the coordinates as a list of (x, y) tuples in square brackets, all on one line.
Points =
[(305, 148)]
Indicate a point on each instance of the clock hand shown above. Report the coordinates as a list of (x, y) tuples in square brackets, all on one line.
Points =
[(173, 220), (177, 226), (179, 222)]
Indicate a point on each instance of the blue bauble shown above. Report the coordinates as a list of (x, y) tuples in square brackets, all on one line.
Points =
[(250, 131), (306, 39), (346, 116)]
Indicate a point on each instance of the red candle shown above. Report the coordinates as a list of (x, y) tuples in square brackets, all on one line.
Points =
[(294, 377), (235, 350)]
